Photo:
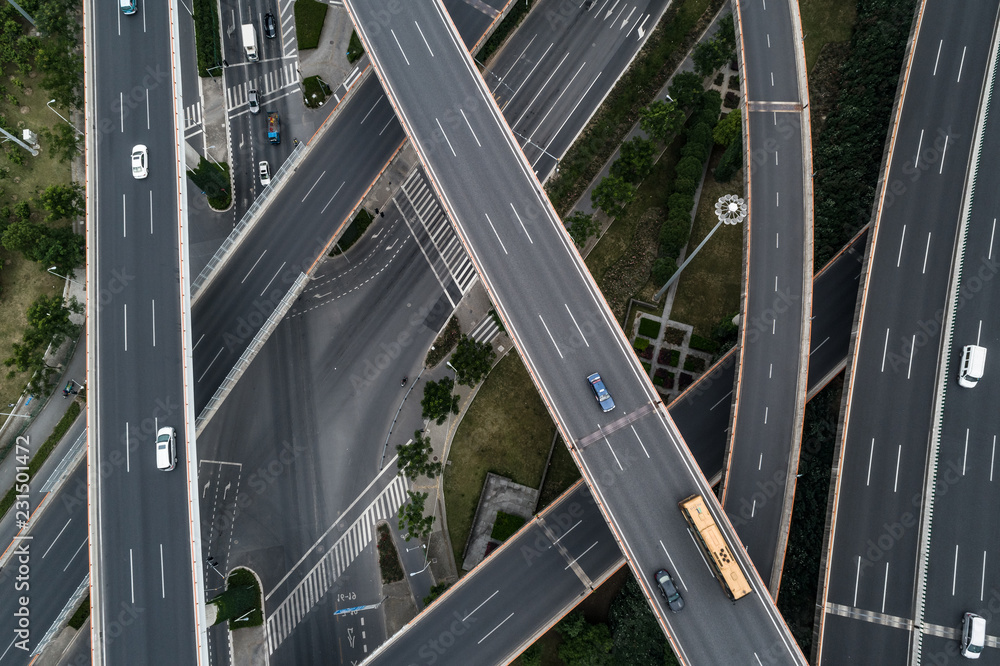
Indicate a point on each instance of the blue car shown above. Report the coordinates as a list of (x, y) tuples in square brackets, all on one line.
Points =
[(127, 6), (601, 393)]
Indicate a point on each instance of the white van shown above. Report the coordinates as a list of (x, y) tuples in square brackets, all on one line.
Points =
[(973, 635), (973, 363), (166, 449)]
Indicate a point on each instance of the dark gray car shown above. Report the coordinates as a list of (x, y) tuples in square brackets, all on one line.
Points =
[(669, 591)]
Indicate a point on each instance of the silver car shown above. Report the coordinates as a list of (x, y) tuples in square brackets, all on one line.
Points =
[(253, 101)]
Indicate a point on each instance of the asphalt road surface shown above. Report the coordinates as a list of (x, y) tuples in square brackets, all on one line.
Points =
[(143, 584), (517, 243), (870, 578)]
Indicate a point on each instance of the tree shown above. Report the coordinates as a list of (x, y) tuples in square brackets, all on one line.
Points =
[(412, 521), (728, 128), (686, 89), (661, 120), (438, 401), (674, 234), (709, 56), (581, 227), (690, 167), (732, 160), (472, 361), (635, 161), (48, 323), (612, 194), (584, 644), (726, 34), (638, 638), (62, 201), (62, 72), (22, 236), (435, 592), (664, 269), (414, 458), (63, 141), (682, 203)]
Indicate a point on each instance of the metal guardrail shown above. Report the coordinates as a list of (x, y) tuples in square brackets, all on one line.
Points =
[(236, 235), (250, 353), (67, 464), (68, 609)]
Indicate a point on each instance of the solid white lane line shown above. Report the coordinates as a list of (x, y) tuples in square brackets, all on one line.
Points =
[(857, 577), (448, 141), (944, 151), (954, 571), (885, 348), (993, 455), (720, 401), (673, 567), (199, 341), (147, 98), (885, 585), (614, 454), (982, 578), (902, 239), (578, 329), (640, 441), (494, 629), (77, 552), (871, 454), (371, 109), (314, 186), (577, 558), (965, 454), (913, 350), (163, 585), (399, 46), (502, 246), (154, 321), (57, 538), (125, 324), (429, 49), (937, 58), (124, 219), (480, 606), (920, 142), (961, 65), (332, 198), (566, 532), (221, 349), (131, 574), (151, 212), (128, 455), (899, 456), (927, 251), (272, 277), (253, 267), (993, 234), (121, 110), (471, 131), (522, 224), (550, 336)]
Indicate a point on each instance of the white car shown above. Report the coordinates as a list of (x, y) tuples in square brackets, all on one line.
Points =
[(265, 173), (253, 101), (166, 449), (139, 170)]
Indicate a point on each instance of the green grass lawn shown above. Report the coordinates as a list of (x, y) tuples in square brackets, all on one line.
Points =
[(507, 430), (709, 288), (562, 474), (825, 21), (22, 281), (309, 17)]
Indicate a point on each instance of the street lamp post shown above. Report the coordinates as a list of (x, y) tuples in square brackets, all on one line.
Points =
[(63, 117), (52, 269), (212, 158), (730, 209)]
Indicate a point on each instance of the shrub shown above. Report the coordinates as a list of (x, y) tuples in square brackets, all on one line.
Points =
[(354, 48), (681, 203), (665, 377), (696, 150), (81, 614), (732, 100), (435, 592), (674, 235), (354, 231), (734, 82), (685, 186), (664, 269), (674, 336), (506, 525), (640, 344), (206, 35), (213, 180), (731, 162), (704, 344), (649, 327), (728, 128), (719, 78), (689, 167), (388, 558), (694, 364), (444, 343)]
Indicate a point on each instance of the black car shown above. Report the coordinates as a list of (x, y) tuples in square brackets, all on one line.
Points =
[(669, 591), (269, 29)]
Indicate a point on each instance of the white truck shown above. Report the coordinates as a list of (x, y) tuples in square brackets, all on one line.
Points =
[(250, 41)]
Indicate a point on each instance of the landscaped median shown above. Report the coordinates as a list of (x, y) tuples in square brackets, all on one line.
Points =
[(241, 604)]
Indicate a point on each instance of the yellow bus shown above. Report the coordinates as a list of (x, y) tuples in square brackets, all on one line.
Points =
[(720, 558)]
